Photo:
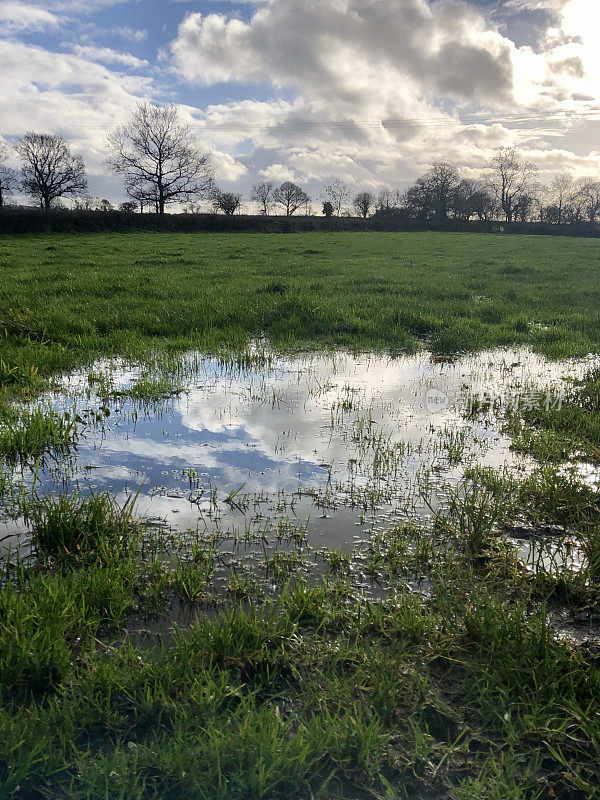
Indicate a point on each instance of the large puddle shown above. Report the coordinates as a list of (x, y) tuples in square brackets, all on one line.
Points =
[(324, 447)]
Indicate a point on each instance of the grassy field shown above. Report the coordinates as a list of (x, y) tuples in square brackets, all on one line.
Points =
[(66, 298), (463, 691)]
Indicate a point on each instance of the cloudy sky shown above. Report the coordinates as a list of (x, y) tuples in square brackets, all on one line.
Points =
[(367, 90)]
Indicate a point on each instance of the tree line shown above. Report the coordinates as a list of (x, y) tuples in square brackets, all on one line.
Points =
[(157, 156)]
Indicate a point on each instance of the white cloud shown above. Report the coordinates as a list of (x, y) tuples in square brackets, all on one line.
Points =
[(65, 93), (108, 56), (134, 35), (446, 47), (382, 87), (278, 172), (18, 16)]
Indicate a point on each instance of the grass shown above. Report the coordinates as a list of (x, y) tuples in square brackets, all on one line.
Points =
[(438, 676), (565, 430), (314, 693), (72, 525), (32, 433), (67, 299)]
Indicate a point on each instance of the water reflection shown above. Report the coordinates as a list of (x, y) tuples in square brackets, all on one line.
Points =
[(341, 439)]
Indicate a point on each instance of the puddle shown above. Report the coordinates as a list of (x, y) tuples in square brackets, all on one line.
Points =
[(327, 447), (551, 548)]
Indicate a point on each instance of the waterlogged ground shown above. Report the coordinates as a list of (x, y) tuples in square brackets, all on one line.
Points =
[(326, 449), (319, 575), (356, 576)]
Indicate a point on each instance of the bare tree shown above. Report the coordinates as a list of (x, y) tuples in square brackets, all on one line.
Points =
[(50, 170), (441, 181), (141, 193), (158, 153), (562, 187), (262, 193), (473, 199), (227, 202), (363, 203), (389, 201), (523, 205), (337, 193), (291, 197), (589, 192), (8, 176), (509, 176), (85, 203)]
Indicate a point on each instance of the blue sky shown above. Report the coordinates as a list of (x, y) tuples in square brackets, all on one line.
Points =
[(369, 91)]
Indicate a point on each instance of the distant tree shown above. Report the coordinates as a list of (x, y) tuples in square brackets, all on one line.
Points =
[(337, 193), (363, 203), (523, 205), (227, 202), (562, 187), (553, 214), (85, 203), (509, 176), (106, 205), (463, 199), (417, 201), (389, 201), (50, 170), (142, 193), (8, 176), (328, 209), (574, 209), (128, 207), (262, 193), (589, 193), (8, 182), (439, 184), (484, 203), (157, 154), (194, 208), (472, 199), (291, 197)]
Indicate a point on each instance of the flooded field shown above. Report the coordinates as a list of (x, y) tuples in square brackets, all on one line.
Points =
[(323, 450), (306, 516)]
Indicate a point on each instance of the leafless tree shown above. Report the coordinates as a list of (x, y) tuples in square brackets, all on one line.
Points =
[(158, 154), (523, 205), (473, 199), (227, 202), (433, 195), (262, 193), (337, 193), (589, 192), (509, 176), (363, 203), (8, 176), (50, 170), (389, 200), (291, 197), (441, 181), (562, 187), (85, 203), (141, 193)]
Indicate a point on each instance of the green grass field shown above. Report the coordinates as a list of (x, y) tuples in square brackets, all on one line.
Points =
[(461, 693), (66, 298)]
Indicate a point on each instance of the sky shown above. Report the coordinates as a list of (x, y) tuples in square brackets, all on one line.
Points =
[(369, 91)]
